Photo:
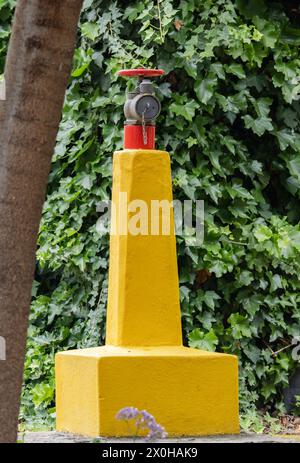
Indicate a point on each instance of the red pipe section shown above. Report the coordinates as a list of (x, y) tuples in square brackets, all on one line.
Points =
[(134, 137)]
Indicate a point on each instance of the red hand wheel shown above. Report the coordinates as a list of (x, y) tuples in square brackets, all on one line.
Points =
[(141, 72)]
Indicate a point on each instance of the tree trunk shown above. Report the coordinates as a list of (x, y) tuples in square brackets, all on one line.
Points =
[(37, 70)]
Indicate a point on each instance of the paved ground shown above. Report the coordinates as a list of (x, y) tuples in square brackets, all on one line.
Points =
[(58, 437)]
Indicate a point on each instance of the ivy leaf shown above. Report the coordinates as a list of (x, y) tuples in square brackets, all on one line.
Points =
[(200, 340), (240, 326), (294, 167), (251, 8), (186, 110), (90, 30), (42, 393), (262, 233), (210, 297), (246, 278), (86, 180), (238, 191), (262, 106), (269, 31), (252, 352), (205, 88), (268, 389), (237, 70), (285, 138), (214, 191), (218, 69), (259, 126), (133, 11)]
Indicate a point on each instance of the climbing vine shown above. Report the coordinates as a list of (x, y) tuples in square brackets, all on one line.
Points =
[(230, 121)]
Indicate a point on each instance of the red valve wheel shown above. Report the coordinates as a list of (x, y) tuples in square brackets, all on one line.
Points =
[(141, 72)]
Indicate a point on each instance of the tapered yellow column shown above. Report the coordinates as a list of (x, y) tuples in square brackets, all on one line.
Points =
[(143, 297), (190, 392)]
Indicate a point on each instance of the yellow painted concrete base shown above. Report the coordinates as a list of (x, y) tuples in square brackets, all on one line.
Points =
[(187, 390)]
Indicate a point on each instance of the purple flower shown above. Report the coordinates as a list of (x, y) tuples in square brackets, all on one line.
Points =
[(156, 431), (143, 420), (127, 413), (146, 419)]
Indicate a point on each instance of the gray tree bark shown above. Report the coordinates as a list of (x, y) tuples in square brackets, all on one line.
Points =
[(37, 70)]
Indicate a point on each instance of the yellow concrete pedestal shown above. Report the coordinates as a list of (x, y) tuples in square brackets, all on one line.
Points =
[(190, 392), (144, 364)]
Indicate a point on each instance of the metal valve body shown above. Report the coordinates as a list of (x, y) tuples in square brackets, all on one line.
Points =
[(142, 105)]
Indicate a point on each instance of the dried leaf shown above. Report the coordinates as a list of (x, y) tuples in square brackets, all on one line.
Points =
[(178, 24)]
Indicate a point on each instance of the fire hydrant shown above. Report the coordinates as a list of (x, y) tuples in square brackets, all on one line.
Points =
[(141, 109), (144, 363)]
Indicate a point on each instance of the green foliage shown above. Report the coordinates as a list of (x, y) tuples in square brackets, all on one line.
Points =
[(253, 421), (297, 405), (230, 121), (6, 10)]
